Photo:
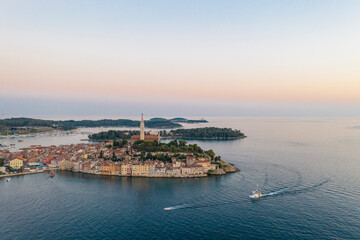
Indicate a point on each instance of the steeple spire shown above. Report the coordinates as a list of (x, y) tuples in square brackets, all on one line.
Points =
[(142, 128)]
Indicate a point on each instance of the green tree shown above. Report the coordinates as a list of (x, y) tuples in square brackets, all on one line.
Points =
[(210, 153), (113, 156), (182, 143)]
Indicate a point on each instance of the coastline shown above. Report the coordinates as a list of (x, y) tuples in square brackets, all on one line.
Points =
[(227, 168), (20, 174)]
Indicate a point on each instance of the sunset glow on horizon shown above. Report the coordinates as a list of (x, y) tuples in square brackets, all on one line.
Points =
[(287, 51)]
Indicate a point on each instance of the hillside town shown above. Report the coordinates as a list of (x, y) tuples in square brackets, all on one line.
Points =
[(143, 156), (102, 158)]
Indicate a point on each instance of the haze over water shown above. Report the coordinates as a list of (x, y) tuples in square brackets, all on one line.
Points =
[(308, 167)]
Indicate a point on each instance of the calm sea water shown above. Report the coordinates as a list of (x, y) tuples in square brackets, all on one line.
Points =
[(309, 169)]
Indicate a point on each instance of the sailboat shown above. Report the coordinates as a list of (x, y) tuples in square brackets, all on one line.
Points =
[(256, 194)]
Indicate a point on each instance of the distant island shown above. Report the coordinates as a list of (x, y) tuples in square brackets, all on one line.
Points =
[(180, 120), (193, 133), (204, 133), (19, 126)]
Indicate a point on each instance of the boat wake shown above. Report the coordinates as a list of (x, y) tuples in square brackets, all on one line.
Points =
[(276, 192), (193, 206), (296, 190), (177, 207)]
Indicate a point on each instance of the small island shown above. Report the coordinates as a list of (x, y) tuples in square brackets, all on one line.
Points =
[(210, 133)]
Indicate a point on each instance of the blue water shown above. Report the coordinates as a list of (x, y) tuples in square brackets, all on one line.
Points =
[(309, 170)]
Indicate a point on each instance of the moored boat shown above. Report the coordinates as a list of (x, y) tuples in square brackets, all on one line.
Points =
[(256, 194)]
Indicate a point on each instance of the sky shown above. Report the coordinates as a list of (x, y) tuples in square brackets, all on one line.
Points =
[(180, 58)]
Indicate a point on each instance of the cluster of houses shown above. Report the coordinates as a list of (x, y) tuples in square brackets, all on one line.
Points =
[(103, 158)]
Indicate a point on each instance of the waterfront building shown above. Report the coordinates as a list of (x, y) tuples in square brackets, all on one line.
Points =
[(107, 168), (196, 170), (160, 170), (86, 166), (75, 166), (204, 163), (190, 160), (140, 169), (65, 164), (117, 168), (16, 163), (125, 169)]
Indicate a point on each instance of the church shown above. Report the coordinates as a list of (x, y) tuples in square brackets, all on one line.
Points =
[(150, 136)]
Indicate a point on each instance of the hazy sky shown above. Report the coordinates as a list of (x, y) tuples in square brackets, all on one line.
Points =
[(295, 58)]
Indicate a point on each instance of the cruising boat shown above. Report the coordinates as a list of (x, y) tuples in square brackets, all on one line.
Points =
[(168, 208), (256, 194)]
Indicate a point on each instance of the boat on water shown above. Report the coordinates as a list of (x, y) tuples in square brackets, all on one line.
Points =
[(167, 208), (52, 175), (20, 140), (256, 194), (8, 179)]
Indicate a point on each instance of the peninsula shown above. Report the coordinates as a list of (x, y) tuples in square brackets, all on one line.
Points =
[(143, 156), (118, 158)]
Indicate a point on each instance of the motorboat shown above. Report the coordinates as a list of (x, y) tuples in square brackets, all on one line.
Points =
[(168, 208), (256, 194), (8, 179)]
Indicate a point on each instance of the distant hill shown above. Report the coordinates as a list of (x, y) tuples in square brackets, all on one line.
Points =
[(184, 120), (179, 120), (158, 119), (30, 125)]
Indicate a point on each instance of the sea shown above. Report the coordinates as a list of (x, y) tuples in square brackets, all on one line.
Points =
[(308, 169)]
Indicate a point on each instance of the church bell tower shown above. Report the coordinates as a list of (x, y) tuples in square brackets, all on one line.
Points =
[(142, 128)]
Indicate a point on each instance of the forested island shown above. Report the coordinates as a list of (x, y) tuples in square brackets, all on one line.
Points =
[(11, 126), (204, 133), (193, 133)]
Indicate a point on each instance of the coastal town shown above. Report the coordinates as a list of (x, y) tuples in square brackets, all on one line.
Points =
[(142, 156)]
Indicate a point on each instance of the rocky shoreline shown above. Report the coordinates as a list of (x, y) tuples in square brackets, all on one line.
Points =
[(225, 169)]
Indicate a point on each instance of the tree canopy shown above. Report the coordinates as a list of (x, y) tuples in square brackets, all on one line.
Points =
[(172, 146), (204, 133)]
